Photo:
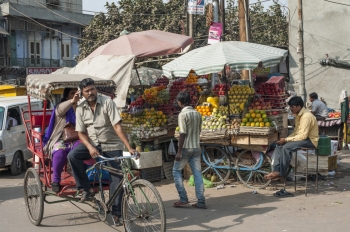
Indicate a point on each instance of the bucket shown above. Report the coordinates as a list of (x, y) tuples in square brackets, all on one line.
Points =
[(324, 146)]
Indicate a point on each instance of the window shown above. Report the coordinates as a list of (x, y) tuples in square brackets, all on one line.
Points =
[(65, 51), (34, 53), (2, 110), (13, 113)]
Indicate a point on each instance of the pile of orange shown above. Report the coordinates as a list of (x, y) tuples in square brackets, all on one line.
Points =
[(204, 110), (191, 79)]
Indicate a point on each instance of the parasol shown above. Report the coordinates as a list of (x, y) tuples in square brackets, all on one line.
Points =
[(151, 43), (147, 76), (212, 58)]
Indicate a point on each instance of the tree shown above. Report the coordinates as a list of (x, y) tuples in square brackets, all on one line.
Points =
[(268, 27)]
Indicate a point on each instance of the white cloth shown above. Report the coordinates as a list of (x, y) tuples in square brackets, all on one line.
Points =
[(116, 68), (14, 122), (343, 95)]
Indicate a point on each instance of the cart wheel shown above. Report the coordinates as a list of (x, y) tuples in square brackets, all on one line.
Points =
[(101, 210), (217, 163), (33, 196), (251, 172)]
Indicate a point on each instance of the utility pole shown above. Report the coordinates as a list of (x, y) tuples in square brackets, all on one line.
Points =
[(216, 11), (222, 18), (189, 22), (302, 90), (243, 32)]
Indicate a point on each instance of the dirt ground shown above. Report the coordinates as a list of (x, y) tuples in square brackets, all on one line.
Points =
[(229, 209)]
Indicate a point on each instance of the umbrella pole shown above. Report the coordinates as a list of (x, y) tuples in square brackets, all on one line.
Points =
[(138, 77), (226, 91)]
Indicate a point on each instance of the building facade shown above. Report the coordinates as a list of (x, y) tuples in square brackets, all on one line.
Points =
[(326, 31), (43, 36)]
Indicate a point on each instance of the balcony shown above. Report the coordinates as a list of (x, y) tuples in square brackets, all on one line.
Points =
[(36, 62)]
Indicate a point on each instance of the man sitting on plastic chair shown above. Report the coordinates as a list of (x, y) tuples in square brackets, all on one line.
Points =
[(305, 135)]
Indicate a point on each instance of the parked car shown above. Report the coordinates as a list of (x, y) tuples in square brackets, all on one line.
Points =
[(13, 145)]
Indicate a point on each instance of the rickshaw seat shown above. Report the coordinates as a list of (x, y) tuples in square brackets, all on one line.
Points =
[(38, 120)]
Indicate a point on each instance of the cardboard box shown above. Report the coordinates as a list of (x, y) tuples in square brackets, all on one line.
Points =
[(263, 139), (147, 160), (301, 166), (240, 139), (334, 147)]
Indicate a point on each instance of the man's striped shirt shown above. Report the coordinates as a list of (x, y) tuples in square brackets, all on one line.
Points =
[(190, 123)]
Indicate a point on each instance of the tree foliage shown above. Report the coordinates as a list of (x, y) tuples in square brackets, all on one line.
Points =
[(268, 27)]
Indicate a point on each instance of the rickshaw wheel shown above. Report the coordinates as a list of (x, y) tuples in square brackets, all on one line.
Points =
[(33, 196), (212, 159), (101, 210), (248, 171)]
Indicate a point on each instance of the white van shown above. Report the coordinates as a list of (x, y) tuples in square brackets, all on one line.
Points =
[(13, 145)]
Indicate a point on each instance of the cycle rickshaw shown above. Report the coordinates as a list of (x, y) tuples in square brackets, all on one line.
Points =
[(142, 205)]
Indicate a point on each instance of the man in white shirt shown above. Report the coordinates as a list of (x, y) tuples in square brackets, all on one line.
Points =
[(319, 109), (10, 119)]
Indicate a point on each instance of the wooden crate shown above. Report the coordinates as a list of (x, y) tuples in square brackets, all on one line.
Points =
[(285, 120), (187, 171), (256, 130), (332, 162), (322, 164), (263, 139), (241, 139)]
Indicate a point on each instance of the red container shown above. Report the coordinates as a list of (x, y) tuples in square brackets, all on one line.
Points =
[(278, 81)]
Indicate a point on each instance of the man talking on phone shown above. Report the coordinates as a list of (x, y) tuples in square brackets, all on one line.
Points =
[(305, 135), (98, 124)]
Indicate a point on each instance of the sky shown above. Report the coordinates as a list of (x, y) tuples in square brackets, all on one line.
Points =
[(98, 5)]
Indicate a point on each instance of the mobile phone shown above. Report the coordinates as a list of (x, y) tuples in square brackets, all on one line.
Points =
[(80, 96)]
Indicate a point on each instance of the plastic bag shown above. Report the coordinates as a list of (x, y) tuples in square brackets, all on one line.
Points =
[(207, 183), (171, 149), (93, 176), (191, 181)]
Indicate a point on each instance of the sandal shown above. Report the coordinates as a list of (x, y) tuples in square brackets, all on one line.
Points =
[(283, 193), (117, 220), (180, 203), (199, 207)]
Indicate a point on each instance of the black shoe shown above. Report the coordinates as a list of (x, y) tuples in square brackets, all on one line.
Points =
[(87, 196), (55, 187)]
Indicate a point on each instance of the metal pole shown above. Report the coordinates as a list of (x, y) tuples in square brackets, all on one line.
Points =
[(302, 90), (222, 8), (50, 37), (216, 10), (242, 30), (247, 31)]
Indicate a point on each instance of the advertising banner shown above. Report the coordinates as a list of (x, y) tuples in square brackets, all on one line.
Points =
[(196, 7), (215, 33)]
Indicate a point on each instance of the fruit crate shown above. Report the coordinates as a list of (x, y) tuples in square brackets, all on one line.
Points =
[(278, 81), (256, 130), (213, 134), (151, 174)]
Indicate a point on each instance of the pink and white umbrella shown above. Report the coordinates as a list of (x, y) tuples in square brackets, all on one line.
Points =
[(143, 44)]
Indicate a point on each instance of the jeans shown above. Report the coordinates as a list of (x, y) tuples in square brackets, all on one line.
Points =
[(76, 159), (193, 157), (282, 155)]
